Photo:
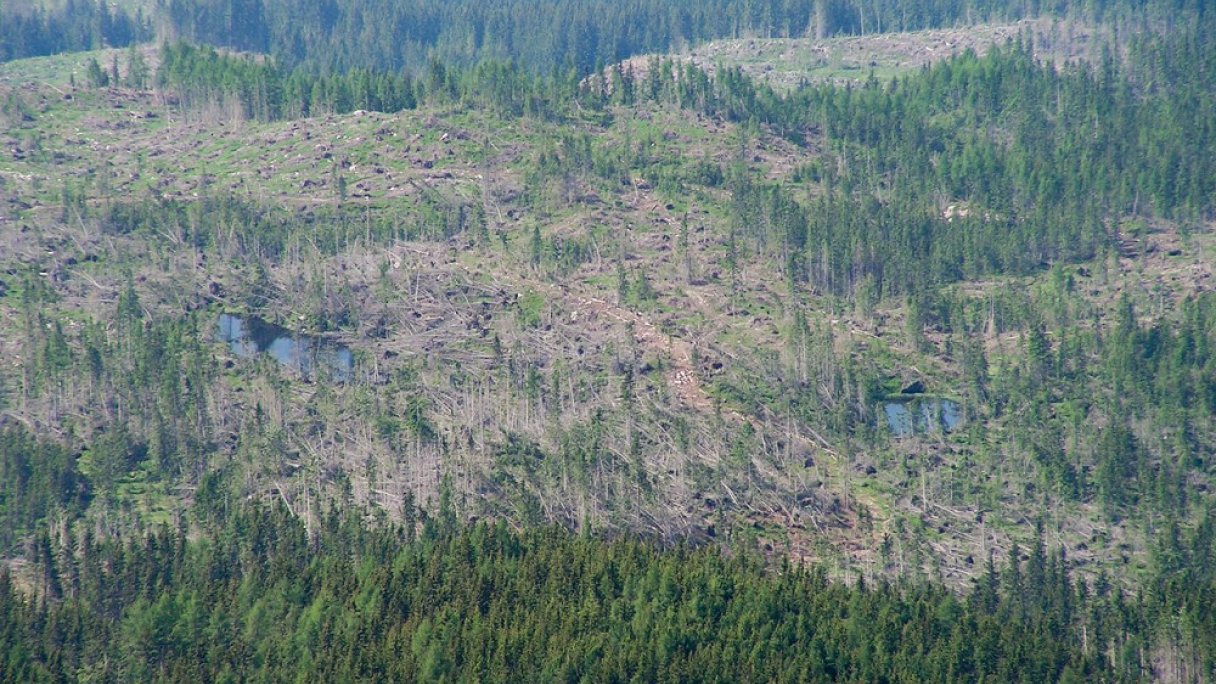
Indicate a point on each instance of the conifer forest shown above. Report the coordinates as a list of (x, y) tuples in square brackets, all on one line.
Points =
[(590, 341)]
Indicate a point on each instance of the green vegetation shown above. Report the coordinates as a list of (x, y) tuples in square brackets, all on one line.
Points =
[(71, 26), (40, 480), (260, 597), (623, 309), (547, 36)]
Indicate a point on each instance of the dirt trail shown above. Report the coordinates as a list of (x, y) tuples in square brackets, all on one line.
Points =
[(682, 374), (682, 377)]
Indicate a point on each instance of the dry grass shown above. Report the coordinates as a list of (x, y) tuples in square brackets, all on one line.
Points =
[(786, 62)]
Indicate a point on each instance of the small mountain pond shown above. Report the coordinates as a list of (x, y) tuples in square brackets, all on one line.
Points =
[(311, 356), (921, 415)]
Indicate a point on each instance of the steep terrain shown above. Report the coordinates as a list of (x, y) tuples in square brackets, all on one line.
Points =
[(812, 340), (551, 321)]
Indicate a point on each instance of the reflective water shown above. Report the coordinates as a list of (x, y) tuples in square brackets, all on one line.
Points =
[(310, 356), (921, 416)]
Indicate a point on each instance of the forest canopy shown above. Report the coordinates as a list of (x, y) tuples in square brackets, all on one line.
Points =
[(259, 597), (627, 337)]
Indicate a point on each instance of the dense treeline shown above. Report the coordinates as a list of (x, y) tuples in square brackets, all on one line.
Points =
[(553, 35), (37, 479), (342, 35), (254, 595), (259, 89), (549, 35), (76, 25)]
